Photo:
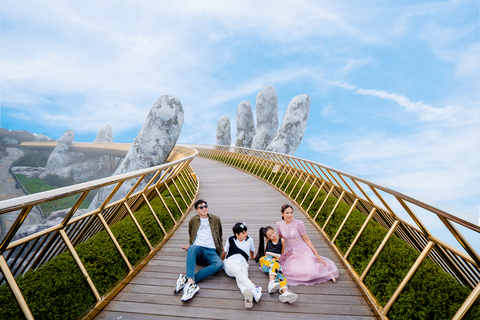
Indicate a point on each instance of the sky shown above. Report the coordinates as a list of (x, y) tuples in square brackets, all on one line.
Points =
[(394, 85)]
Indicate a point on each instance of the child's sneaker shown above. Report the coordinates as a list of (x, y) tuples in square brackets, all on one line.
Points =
[(288, 296), (273, 286), (189, 291), (248, 295), (181, 281), (257, 293)]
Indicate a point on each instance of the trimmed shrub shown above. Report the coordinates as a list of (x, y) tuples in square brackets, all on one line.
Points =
[(58, 290), (32, 159), (57, 181), (430, 294)]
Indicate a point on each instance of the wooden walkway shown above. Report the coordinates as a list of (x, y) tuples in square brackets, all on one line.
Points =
[(234, 196)]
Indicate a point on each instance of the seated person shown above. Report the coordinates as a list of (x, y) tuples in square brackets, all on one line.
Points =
[(236, 250), (205, 231)]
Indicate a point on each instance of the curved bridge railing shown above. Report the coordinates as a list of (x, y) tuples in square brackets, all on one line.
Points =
[(82, 261), (400, 266)]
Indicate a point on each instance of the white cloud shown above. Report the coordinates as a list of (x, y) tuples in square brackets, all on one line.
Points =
[(433, 163), (344, 85), (108, 61), (425, 111)]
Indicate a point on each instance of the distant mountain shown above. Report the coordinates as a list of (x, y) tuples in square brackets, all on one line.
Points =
[(22, 135)]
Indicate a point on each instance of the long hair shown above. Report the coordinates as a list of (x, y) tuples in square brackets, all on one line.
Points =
[(261, 245), (284, 207)]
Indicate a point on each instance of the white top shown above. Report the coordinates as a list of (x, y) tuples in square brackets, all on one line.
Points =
[(245, 245), (204, 236)]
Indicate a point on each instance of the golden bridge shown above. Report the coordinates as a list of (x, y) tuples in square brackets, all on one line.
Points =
[(121, 260)]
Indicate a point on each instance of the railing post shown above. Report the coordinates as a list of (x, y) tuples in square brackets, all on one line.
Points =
[(15, 289), (345, 220), (154, 214), (315, 196), (138, 226), (115, 242), (380, 248), (467, 304), (308, 192), (165, 205), (333, 210), (409, 275), (324, 201), (171, 196), (80, 264), (365, 223)]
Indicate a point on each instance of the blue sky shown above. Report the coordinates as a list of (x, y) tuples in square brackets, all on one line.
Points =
[(394, 85)]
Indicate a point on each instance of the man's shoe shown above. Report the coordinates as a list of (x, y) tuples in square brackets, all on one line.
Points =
[(189, 291), (273, 286), (257, 293), (288, 296), (181, 281), (248, 295)]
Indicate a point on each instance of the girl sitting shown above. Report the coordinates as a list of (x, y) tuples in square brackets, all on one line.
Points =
[(268, 257)]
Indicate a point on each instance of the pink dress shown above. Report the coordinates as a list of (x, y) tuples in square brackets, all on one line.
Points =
[(299, 263)]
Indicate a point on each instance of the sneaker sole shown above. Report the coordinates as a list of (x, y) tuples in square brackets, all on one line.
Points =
[(196, 290), (274, 288), (248, 295), (290, 298), (175, 290)]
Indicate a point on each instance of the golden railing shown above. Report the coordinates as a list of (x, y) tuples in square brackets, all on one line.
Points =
[(277, 168), (33, 251)]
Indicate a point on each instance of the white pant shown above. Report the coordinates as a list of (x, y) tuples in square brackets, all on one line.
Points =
[(238, 270)]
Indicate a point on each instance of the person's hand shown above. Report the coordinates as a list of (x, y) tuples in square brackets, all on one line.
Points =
[(320, 260), (185, 247)]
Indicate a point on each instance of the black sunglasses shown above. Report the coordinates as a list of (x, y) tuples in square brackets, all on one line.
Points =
[(202, 207)]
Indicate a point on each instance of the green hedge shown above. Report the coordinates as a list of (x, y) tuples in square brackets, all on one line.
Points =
[(58, 290), (430, 294), (35, 185), (32, 159)]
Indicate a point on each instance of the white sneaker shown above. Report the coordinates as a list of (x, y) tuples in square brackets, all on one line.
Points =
[(189, 291), (288, 296), (248, 295), (181, 281), (273, 286), (257, 293)]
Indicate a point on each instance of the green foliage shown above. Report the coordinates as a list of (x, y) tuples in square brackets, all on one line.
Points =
[(57, 181), (32, 159), (58, 290), (430, 294), (35, 185)]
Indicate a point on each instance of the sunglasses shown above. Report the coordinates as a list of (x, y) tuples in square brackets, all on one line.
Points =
[(202, 207)]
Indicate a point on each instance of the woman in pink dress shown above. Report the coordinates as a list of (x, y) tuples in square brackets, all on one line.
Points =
[(301, 262)]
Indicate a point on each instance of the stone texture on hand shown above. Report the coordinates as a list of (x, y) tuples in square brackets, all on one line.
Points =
[(293, 126), (245, 125), (224, 136), (60, 157), (151, 147), (267, 118), (80, 167)]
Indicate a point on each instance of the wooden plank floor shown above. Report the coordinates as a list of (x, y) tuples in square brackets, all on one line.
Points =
[(234, 196)]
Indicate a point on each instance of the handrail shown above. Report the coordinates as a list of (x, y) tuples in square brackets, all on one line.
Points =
[(277, 169), (176, 178)]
